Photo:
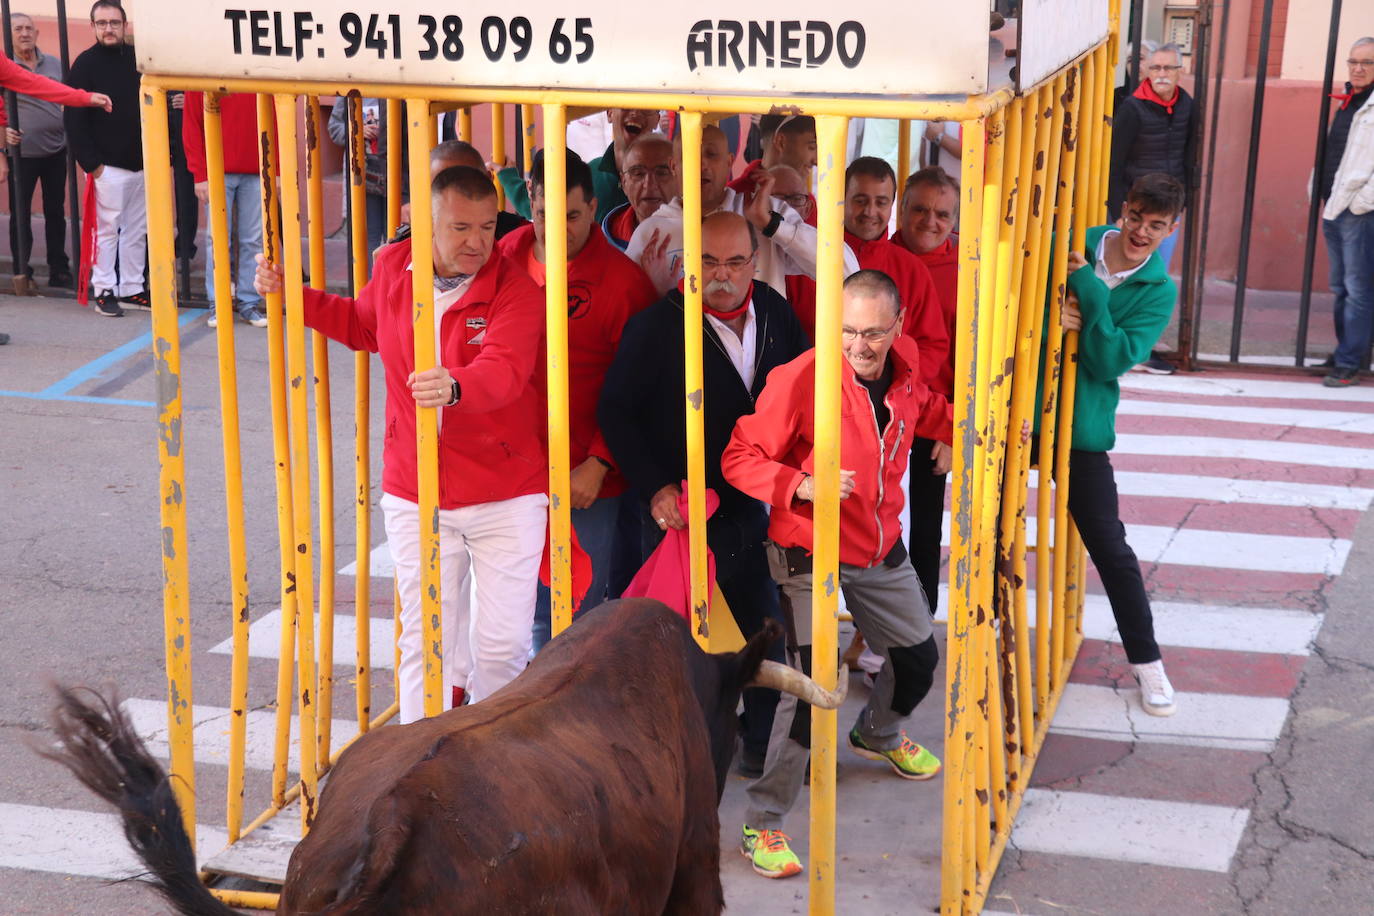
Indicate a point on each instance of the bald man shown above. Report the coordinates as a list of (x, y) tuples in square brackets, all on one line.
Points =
[(649, 181)]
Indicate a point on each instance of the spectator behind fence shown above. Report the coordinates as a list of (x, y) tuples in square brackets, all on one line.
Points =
[(604, 289), (649, 180), (108, 146), (493, 471), (183, 182), (446, 155), (374, 154), (238, 112), (771, 456), (1347, 186), (1119, 300), (42, 143), (747, 331), (786, 140)]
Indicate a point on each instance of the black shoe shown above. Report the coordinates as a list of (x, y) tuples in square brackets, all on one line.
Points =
[(4, 339), (750, 763), (1157, 365), (1342, 377), (1324, 367), (61, 279), (108, 305), (138, 300)]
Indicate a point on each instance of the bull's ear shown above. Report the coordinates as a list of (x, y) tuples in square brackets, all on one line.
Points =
[(748, 659)]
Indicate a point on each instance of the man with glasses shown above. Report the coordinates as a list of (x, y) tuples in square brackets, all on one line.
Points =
[(748, 330), (771, 456), (108, 145), (649, 181), (1347, 186), (1153, 130)]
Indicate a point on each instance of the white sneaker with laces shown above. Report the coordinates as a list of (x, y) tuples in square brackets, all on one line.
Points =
[(1156, 693)]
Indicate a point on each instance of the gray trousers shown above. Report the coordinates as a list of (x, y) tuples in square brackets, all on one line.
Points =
[(889, 606)]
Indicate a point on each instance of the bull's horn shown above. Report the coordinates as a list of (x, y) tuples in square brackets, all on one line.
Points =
[(790, 680)]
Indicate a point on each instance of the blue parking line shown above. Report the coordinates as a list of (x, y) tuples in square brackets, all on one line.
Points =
[(78, 398)]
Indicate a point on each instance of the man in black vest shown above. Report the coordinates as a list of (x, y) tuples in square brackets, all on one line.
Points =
[(747, 331), (1153, 130)]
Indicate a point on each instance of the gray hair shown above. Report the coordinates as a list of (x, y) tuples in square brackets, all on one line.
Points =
[(1171, 47), (1367, 40)]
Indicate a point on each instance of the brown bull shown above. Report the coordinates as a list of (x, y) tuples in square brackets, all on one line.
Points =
[(589, 785)]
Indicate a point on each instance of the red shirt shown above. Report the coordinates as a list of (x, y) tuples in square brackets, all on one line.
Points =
[(943, 264), (924, 321), (605, 288), (491, 444), (774, 446), (238, 114)]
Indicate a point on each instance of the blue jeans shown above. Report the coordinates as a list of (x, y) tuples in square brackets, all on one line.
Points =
[(1350, 246), (595, 527), (243, 206)]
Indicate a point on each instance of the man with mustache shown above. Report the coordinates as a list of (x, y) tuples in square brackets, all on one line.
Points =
[(747, 331)]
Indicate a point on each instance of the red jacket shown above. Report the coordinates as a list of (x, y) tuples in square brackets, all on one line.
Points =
[(924, 320), (943, 264), (490, 444), (25, 82), (772, 448), (238, 113), (604, 289)]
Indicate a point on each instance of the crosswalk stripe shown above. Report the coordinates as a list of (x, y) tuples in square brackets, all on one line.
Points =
[(1338, 420), (1203, 719), (1290, 453), (70, 842), (379, 563), (1213, 384), (264, 635), (210, 733), (1227, 490), (1140, 830)]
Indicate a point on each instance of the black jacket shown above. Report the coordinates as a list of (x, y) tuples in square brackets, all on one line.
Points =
[(642, 411), (97, 138), (1147, 138)]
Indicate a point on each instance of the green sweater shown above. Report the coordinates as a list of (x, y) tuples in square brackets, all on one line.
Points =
[(1119, 328), (605, 184)]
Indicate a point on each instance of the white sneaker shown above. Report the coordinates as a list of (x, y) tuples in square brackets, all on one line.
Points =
[(1156, 693)]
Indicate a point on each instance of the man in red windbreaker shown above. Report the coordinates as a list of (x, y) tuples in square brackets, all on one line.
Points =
[(493, 472), (771, 457), (238, 114), (604, 289), (925, 227)]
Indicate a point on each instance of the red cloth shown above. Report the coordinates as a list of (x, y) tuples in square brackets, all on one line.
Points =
[(605, 288), (581, 566), (491, 446), (88, 230), (623, 223), (26, 82), (1344, 97), (667, 575), (943, 264), (772, 448), (238, 115), (1146, 91), (924, 320), (745, 181)]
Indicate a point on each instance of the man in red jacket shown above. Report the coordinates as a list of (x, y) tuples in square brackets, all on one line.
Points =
[(930, 209), (604, 289), (238, 114), (771, 457), (493, 473)]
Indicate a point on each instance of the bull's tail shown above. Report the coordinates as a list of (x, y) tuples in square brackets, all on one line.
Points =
[(100, 747)]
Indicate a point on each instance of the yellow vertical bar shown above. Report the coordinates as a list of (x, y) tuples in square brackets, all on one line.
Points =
[(527, 125), (324, 431), (957, 857), (233, 465), (904, 169), (556, 332), (498, 147), (691, 336), (831, 134), (303, 553), (1096, 174), (465, 125), (426, 418), (395, 163), (176, 599), (362, 448), (281, 448)]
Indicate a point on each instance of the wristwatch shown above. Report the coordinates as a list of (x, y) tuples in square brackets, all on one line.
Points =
[(454, 395), (773, 224)]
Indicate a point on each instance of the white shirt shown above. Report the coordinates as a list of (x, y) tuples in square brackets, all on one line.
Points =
[(741, 348), (443, 301), (1113, 280)]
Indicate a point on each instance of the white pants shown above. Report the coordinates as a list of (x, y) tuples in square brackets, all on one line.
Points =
[(121, 213), (486, 636)]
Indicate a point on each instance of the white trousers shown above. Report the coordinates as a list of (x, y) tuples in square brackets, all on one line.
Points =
[(486, 634), (121, 214)]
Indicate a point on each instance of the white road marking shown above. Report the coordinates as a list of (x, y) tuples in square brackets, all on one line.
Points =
[(1296, 453), (264, 635), (1212, 384), (1348, 421), (379, 564), (1230, 491), (1202, 720), (70, 842), (1146, 831)]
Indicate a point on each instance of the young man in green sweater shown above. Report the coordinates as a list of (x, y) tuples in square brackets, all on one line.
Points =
[(1119, 300)]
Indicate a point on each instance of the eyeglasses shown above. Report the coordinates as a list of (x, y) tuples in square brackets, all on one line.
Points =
[(1163, 68), (734, 265), (102, 24), (1155, 229), (872, 335), (797, 202), (1363, 64), (640, 173)]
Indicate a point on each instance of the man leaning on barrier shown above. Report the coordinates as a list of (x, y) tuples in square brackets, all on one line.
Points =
[(884, 403), (493, 476)]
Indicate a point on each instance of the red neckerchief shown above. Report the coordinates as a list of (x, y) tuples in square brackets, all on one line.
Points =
[(1345, 97), (1146, 91), (723, 316)]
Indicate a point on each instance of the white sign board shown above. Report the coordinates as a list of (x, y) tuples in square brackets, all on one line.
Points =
[(1054, 32), (869, 47)]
